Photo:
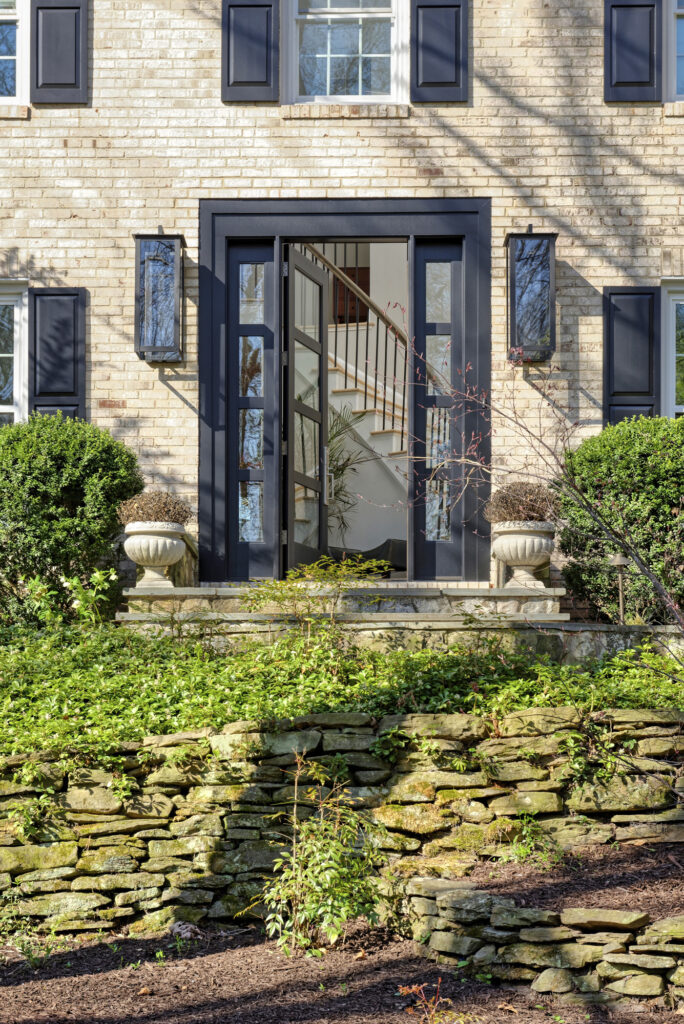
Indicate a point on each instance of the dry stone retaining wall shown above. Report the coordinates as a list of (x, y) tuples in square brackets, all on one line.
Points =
[(199, 817), (586, 956)]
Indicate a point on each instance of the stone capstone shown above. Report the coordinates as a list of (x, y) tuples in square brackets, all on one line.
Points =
[(562, 955), (450, 727), (539, 721), (663, 930), (90, 799), (617, 920)]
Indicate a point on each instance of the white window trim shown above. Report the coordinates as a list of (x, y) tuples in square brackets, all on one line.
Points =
[(399, 59), (22, 19), (16, 293), (670, 49), (672, 292)]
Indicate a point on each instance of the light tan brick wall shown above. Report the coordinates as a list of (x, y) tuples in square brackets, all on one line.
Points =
[(77, 183)]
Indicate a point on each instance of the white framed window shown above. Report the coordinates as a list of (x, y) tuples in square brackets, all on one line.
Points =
[(673, 350), (13, 352), (346, 51), (674, 49), (14, 51)]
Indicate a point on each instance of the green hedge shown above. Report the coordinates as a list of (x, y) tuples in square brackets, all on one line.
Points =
[(60, 483), (90, 690), (634, 473)]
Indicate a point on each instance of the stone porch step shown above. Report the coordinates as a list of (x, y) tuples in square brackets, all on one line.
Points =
[(390, 604)]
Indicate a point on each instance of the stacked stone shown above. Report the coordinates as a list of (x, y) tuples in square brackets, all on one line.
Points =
[(586, 956), (197, 835)]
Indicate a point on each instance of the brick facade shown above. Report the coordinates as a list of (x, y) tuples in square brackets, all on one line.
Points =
[(536, 137)]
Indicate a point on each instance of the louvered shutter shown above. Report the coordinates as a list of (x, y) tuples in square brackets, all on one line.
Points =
[(251, 51), (439, 51), (59, 51), (631, 367), (57, 351), (633, 51)]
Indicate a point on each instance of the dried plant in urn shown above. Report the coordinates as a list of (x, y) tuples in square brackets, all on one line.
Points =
[(523, 515), (154, 523)]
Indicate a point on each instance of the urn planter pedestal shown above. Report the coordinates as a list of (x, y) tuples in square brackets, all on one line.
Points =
[(525, 547), (156, 547)]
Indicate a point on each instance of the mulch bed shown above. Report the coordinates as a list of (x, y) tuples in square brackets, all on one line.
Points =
[(628, 877), (236, 976), (243, 980)]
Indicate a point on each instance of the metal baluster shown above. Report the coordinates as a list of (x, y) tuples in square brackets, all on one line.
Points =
[(357, 306), (384, 377), (336, 298), (394, 383), (404, 387), (346, 322)]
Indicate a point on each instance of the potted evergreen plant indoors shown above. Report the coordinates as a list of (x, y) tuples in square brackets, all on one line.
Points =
[(523, 526), (154, 523)]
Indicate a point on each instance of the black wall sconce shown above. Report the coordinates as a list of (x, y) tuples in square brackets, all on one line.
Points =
[(159, 297), (531, 270)]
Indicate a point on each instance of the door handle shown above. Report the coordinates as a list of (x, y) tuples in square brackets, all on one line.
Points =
[(326, 475)]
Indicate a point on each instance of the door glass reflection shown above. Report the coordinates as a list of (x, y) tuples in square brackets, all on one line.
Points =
[(306, 368), (438, 293), (437, 511), (251, 441), (307, 305), (252, 293), (306, 455), (437, 437), (438, 358), (250, 511), (306, 516), (251, 366)]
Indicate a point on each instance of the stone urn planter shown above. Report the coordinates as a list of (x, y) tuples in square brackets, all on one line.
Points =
[(155, 546), (525, 547)]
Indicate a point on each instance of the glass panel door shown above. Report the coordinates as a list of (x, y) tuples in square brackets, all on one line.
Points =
[(440, 385), (307, 419)]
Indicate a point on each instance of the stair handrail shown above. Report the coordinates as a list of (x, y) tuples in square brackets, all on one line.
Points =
[(358, 292)]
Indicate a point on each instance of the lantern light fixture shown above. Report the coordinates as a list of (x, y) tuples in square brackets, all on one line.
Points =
[(159, 297), (531, 273)]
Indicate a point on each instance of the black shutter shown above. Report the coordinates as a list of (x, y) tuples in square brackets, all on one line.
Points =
[(57, 351), (633, 50), (439, 51), (251, 51), (59, 51), (631, 357)]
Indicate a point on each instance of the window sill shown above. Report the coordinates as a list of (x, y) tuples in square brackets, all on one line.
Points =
[(14, 112), (336, 111), (675, 109)]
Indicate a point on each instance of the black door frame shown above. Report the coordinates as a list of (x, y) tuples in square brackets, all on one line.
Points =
[(274, 221)]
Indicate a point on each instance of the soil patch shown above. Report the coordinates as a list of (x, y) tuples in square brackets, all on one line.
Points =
[(235, 976), (647, 877), (239, 978)]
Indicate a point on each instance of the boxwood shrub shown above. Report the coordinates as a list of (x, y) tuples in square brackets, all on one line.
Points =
[(61, 481), (634, 473)]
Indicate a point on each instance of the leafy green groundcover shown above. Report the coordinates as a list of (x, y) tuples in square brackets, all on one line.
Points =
[(89, 690)]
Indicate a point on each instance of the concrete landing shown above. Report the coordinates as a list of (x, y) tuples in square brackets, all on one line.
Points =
[(385, 606)]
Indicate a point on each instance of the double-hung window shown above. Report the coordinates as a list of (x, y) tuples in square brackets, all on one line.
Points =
[(13, 51), (673, 354), (13, 353), (675, 32), (346, 50)]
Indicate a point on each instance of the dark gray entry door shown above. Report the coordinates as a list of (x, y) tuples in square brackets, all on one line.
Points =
[(307, 409)]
